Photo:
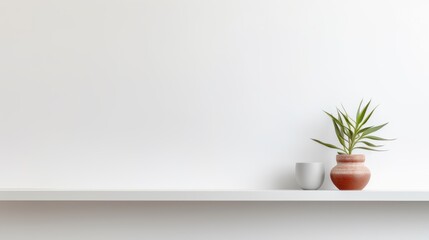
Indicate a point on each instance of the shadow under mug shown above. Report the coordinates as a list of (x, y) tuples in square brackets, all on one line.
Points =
[(310, 175)]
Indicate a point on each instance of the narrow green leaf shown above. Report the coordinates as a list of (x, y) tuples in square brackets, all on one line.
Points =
[(341, 123), (362, 114), (344, 129), (339, 134), (350, 133), (378, 138), (333, 118), (370, 144), (347, 114), (346, 118), (327, 144), (373, 129), (339, 117), (371, 149), (364, 129), (358, 111), (369, 116)]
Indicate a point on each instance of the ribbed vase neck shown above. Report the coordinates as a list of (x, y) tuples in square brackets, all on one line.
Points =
[(353, 158)]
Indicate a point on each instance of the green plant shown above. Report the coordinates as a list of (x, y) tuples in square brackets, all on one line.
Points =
[(353, 133)]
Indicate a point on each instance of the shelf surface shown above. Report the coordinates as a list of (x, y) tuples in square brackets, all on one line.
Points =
[(209, 195)]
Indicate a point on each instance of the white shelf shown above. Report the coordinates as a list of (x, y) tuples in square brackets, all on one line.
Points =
[(208, 195)]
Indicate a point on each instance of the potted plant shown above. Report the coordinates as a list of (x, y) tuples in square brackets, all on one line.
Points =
[(350, 173)]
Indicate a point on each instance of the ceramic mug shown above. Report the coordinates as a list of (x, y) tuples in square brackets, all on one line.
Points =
[(309, 175)]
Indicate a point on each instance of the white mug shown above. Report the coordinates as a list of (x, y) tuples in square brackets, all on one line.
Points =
[(309, 175)]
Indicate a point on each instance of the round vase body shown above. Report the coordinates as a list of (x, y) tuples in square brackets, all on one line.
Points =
[(350, 173)]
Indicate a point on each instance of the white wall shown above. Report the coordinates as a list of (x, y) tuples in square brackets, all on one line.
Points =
[(205, 94)]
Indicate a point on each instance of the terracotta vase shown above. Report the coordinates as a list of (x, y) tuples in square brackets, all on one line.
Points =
[(350, 173)]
